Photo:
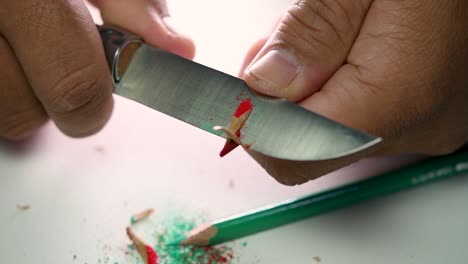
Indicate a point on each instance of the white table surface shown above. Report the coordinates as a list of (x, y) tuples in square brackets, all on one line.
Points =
[(82, 191)]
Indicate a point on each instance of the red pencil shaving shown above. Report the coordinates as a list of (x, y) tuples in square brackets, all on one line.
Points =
[(146, 252), (234, 131), (244, 108)]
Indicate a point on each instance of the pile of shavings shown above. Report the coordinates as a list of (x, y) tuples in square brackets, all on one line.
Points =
[(171, 226)]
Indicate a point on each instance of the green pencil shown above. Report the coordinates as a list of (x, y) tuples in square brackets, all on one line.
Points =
[(289, 211)]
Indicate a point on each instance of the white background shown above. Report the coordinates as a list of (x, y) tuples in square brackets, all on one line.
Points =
[(82, 192)]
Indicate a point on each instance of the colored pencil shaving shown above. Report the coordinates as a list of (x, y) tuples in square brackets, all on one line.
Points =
[(170, 224), (146, 252), (234, 131), (293, 210), (23, 207), (244, 107), (141, 216)]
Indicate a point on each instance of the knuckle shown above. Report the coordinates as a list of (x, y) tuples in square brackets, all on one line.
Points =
[(22, 124), (75, 90), (318, 24), (284, 173)]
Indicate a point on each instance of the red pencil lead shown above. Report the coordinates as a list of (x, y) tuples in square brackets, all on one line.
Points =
[(147, 253), (234, 131)]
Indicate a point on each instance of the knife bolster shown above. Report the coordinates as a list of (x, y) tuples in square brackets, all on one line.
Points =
[(119, 48)]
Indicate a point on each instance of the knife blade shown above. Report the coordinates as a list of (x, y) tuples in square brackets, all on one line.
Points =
[(205, 98)]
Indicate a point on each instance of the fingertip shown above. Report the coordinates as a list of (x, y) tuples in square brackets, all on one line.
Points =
[(177, 44), (185, 48), (284, 172), (164, 33), (81, 102), (183, 44), (92, 107), (151, 23), (87, 121), (250, 55)]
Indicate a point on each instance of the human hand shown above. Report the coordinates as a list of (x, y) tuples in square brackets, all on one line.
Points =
[(53, 64), (395, 69)]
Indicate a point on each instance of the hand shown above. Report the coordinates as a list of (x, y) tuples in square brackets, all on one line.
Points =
[(53, 63), (395, 69)]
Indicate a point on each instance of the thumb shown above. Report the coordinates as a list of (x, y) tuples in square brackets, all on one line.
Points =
[(309, 44), (149, 19)]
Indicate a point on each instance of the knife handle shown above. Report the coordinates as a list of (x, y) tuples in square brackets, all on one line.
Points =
[(119, 48)]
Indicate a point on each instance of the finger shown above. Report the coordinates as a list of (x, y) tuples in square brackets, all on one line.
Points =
[(251, 53), (391, 86), (94, 2), (284, 173), (310, 43), (149, 19), (291, 180), (61, 53), (21, 114), (255, 49), (290, 172)]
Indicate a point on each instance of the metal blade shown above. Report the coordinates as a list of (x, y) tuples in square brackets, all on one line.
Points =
[(205, 98)]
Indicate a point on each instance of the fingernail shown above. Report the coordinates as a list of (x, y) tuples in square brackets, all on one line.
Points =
[(274, 72)]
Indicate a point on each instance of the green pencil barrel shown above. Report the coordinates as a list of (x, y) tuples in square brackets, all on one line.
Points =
[(290, 211)]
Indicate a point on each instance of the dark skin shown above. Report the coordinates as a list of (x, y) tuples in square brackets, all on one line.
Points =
[(395, 69), (54, 65)]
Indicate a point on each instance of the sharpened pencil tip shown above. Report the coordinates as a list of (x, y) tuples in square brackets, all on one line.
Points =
[(175, 242)]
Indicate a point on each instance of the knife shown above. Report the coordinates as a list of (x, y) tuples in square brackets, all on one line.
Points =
[(205, 98)]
